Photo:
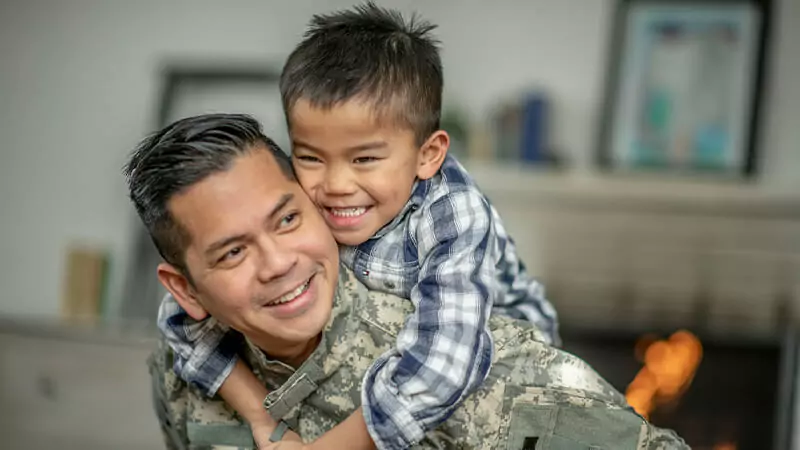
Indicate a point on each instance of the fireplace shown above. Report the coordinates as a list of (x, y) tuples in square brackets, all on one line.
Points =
[(740, 396)]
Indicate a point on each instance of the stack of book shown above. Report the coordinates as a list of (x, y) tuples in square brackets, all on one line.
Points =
[(85, 282)]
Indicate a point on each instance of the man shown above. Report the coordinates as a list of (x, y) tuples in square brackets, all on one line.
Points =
[(244, 246)]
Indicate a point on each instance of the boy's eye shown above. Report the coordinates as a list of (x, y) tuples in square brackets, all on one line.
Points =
[(365, 159), (307, 158)]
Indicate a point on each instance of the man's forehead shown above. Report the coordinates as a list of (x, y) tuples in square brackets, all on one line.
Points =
[(251, 188)]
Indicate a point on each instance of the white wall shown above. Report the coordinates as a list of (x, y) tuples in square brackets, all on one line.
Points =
[(78, 87)]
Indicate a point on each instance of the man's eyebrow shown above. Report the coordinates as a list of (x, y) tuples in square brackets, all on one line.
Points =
[(224, 242), (373, 145), (284, 200)]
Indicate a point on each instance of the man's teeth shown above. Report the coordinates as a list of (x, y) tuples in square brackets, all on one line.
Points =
[(348, 212), (292, 295)]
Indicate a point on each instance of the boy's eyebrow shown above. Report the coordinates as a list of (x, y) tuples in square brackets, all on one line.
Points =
[(373, 145), (368, 146), (224, 242)]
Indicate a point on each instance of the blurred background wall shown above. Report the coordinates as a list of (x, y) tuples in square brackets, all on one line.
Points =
[(79, 85)]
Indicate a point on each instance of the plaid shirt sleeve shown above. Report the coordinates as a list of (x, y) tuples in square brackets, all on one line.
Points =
[(205, 351), (444, 352)]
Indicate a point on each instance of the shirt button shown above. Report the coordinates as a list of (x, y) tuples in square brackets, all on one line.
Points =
[(389, 285)]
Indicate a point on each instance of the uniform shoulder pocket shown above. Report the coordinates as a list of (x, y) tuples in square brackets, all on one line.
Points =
[(564, 420)]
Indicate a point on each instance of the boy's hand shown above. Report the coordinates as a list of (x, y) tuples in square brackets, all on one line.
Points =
[(262, 432)]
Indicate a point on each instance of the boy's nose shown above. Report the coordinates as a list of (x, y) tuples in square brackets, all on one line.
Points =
[(339, 184)]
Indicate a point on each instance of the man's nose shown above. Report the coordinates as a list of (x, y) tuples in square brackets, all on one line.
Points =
[(339, 181), (277, 260)]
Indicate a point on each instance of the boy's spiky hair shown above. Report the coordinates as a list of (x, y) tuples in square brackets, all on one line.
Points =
[(370, 54)]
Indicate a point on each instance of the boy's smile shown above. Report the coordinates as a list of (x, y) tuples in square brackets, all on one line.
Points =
[(348, 217), (359, 171)]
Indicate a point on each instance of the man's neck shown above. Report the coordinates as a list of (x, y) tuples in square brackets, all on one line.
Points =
[(292, 354)]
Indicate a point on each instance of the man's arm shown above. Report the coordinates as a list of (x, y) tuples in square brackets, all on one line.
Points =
[(444, 352), (168, 398)]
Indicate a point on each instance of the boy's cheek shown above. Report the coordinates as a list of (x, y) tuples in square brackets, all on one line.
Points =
[(308, 181)]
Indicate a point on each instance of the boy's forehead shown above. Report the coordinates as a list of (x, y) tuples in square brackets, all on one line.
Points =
[(350, 120), (352, 112)]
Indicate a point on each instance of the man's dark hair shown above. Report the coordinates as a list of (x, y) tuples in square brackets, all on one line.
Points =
[(180, 155), (373, 55)]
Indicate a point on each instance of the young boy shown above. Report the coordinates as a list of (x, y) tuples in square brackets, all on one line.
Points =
[(362, 96)]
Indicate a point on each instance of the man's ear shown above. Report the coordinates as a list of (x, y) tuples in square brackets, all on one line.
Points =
[(432, 153), (182, 290)]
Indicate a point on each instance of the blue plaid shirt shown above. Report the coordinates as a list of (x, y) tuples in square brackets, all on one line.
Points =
[(449, 253)]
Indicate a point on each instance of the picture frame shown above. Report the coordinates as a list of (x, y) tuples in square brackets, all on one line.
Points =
[(187, 90), (684, 87)]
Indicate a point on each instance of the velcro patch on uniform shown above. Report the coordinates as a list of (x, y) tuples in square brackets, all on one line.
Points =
[(530, 443)]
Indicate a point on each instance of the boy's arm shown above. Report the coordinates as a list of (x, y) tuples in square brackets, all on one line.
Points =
[(205, 355), (445, 350), (204, 351), (245, 394)]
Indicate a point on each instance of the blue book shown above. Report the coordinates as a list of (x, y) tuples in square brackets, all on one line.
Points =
[(533, 139)]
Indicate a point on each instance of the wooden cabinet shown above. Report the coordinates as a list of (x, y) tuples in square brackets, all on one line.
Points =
[(66, 393)]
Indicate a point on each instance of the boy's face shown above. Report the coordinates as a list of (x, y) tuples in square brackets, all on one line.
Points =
[(358, 171)]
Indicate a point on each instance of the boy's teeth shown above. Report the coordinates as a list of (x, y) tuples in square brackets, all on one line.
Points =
[(292, 295), (348, 212)]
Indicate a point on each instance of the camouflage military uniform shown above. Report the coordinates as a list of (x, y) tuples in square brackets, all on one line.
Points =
[(536, 396)]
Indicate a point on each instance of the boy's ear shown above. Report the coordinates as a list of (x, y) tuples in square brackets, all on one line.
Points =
[(182, 290), (432, 153)]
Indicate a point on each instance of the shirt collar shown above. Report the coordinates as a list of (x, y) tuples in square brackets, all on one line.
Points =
[(418, 193)]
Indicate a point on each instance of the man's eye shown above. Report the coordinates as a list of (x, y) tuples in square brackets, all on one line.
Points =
[(232, 253), (365, 159), (288, 219)]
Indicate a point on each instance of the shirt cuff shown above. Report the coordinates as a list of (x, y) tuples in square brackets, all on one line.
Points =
[(389, 420), (212, 389)]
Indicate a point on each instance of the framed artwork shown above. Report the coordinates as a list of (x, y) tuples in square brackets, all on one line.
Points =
[(684, 87), (188, 91)]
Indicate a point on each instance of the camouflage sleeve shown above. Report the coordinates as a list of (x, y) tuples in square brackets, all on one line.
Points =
[(537, 396), (169, 399), (663, 439)]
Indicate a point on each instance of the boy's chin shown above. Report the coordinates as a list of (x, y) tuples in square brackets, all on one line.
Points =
[(352, 237)]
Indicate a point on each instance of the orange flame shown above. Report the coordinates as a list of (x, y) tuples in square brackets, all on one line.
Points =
[(669, 368)]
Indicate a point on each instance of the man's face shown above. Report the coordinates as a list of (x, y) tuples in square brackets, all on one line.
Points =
[(357, 171), (261, 258)]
